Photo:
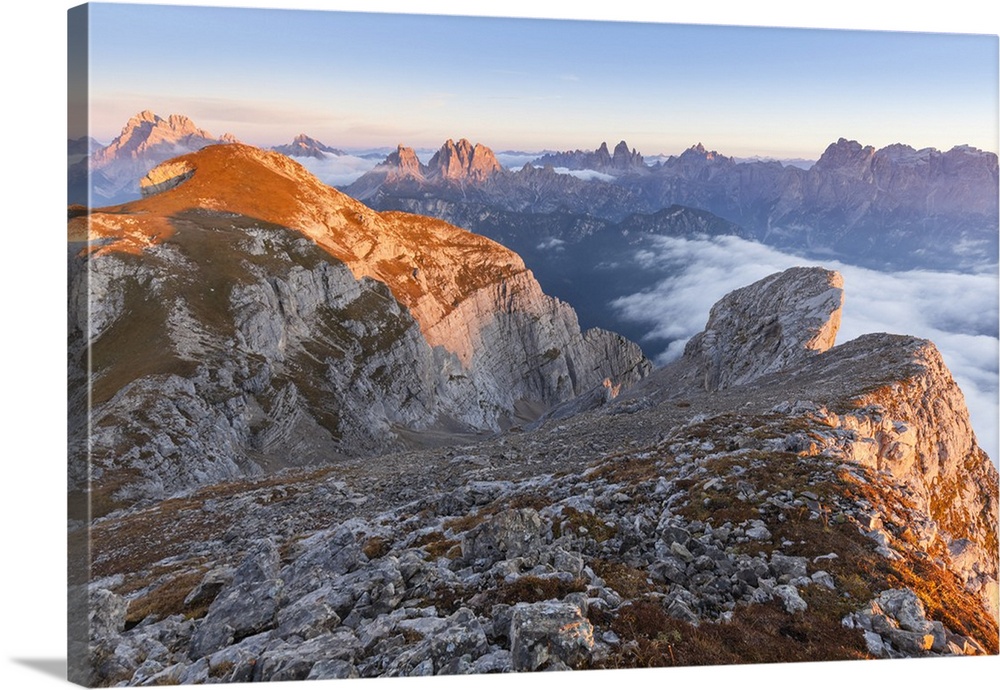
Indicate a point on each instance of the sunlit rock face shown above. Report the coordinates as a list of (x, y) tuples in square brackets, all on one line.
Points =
[(290, 324), (164, 177), (917, 430), (463, 162), (765, 327)]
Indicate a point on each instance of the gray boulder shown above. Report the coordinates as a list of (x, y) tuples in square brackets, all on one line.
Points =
[(549, 633), (510, 534)]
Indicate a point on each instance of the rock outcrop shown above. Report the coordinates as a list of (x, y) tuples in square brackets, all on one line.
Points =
[(164, 177), (766, 327), (916, 430), (463, 162)]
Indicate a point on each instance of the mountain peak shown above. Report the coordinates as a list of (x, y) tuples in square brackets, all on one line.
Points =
[(845, 153), (144, 116), (698, 155), (463, 162), (699, 151), (147, 135), (403, 163), (623, 158), (304, 146)]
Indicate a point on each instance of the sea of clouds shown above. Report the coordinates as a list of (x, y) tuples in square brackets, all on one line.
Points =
[(957, 311), (338, 171)]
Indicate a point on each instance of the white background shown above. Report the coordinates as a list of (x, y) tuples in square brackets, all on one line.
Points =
[(33, 332)]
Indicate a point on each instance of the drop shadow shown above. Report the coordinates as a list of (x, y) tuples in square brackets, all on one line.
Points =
[(50, 667)]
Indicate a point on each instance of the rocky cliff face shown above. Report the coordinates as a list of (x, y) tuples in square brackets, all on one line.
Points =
[(835, 508), (290, 323), (868, 195), (766, 327), (916, 430), (463, 162)]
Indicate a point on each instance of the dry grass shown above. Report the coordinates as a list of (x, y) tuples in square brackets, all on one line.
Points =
[(167, 599), (581, 522), (437, 545), (762, 633), (629, 582), (530, 589), (625, 468), (464, 523), (376, 547)]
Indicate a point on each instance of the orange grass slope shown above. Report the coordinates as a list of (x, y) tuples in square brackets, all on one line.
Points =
[(429, 265)]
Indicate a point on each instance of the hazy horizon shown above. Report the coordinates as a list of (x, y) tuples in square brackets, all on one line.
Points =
[(534, 84)]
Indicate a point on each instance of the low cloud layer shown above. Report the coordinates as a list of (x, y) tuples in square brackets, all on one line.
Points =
[(958, 312), (338, 171), (586, 174), (515, 160)]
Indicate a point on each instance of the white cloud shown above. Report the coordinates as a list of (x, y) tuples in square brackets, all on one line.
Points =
[(586, 174), (338, 170), (515, 160), (958, 312), (551, 243)]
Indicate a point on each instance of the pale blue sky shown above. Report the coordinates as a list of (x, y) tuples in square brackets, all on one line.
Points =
[(357, 80)]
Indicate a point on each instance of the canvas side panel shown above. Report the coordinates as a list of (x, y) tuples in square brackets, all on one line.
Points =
[(78, 509)]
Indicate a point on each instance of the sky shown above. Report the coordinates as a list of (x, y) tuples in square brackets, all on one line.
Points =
[(357, 80)]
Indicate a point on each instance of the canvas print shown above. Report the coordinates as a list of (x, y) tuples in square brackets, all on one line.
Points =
[(410, 345)]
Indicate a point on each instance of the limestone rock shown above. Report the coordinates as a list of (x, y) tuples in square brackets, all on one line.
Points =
[(106, 614), (463, 162), (164, 177), (510, 534), (548, 633), (765, 327)]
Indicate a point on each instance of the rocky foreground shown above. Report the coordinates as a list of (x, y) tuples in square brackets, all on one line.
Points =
[(725, 510)]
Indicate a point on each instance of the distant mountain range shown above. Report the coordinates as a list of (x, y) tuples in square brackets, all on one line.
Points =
[(579, 233), (895, 206), (892, 207)]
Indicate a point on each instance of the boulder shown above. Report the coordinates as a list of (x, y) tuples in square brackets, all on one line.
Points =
[(549, 633), (510, 534)]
